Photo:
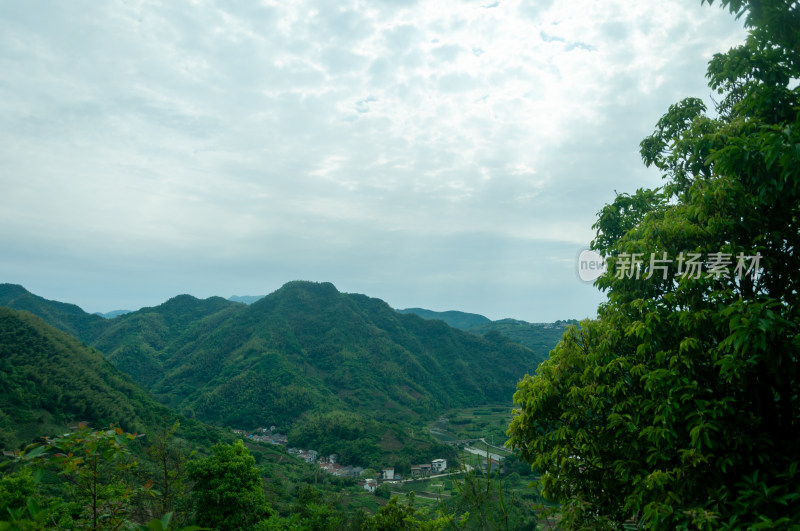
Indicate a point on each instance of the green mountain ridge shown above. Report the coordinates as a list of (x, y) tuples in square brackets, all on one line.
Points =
[(306, 358), (455, 318), (48, 380), (326, 348), (247, 299), (539, 337), (112, 314), (63, 316)]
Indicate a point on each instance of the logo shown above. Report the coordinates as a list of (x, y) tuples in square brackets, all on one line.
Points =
[(590, 265)]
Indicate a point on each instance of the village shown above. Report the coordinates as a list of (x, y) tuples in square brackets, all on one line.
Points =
[(329, 463)]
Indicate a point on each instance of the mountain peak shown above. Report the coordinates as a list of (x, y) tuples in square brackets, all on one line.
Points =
[(11, 291), (301, 292), (320, 288)]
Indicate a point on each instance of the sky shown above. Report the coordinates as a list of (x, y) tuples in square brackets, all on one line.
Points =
[(444, 154)]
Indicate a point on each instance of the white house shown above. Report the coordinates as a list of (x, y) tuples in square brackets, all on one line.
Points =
[(370, 485), (388, 473), (439, 465)]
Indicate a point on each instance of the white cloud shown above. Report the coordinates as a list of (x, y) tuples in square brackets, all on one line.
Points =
[(251, 136)]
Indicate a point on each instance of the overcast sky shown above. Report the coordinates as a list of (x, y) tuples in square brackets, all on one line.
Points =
[(441, 154)]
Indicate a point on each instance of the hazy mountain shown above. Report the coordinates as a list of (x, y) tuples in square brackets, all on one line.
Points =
[(113, 314), (540, 337), (460, 320), (246, 299)]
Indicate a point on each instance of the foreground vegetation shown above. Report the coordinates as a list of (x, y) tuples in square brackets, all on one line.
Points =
[(110, 479), (678, 408)]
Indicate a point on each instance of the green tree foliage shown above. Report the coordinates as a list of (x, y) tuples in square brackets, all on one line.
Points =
[(15, 489), (396, 516), (485, 503), (168, 457), (228, 492), (309, 517), (678, 407), (92, 466), (349, 435), (165, 524)]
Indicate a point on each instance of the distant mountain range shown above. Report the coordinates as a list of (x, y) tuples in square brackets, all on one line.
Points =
[(111, 315), (460, 320), (540, 337), (246, 299), (303, 358)]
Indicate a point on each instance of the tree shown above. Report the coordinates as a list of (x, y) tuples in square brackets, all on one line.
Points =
[(227, 489), (15, 489), (396, 516), (678, 407), (170, 459), (92, 465), (484, 502)]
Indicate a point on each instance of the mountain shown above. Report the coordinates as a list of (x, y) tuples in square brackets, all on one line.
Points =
[(246, 299), (308, 346), (539, 337), (327, 366), (48, 380), (66, 317), (460, 320), (136, 342), (111, 315)]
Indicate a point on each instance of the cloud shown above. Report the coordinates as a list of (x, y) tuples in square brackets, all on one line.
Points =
[(398, 148)]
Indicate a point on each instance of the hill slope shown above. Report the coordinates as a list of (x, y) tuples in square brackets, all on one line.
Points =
[(48, 379), (66, 317), (306, 358), (456, 319), (539, 337), (308, 346)]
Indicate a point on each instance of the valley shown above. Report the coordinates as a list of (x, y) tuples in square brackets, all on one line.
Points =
[(330, 391)]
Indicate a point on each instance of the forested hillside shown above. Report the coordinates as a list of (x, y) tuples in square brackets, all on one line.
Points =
[(307, 351), (66, 317), (49, 380), (303, 356), (456, 319), (539, 337)]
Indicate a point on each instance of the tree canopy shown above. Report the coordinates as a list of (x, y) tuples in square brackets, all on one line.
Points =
[(228, 488), (678, 407)]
